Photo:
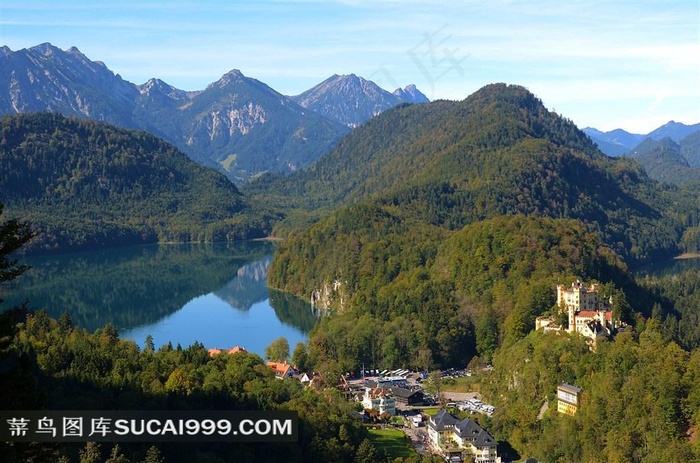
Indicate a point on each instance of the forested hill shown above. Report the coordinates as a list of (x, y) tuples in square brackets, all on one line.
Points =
[(441, 141), (667, 161), (454, 221), (84, 184), (500, 151)]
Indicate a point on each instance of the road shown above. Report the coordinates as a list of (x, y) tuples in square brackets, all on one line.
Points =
[(419, 439)]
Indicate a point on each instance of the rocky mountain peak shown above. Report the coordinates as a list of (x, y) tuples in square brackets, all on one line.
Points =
[(155, 85), (676, 130), (234, 124), (46, 78), (349, 99), (232, 76), (411, 94), (45, 49)]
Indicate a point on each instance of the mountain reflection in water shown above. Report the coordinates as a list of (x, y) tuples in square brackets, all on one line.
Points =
[(176, 293)]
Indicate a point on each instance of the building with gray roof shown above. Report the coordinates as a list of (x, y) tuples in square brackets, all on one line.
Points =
[(454, 437)]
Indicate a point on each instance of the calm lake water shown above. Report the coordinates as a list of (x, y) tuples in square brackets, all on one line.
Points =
[(668, 267), (216, 294)]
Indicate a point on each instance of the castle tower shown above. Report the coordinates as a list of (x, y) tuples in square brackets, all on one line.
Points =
[(572, 319)]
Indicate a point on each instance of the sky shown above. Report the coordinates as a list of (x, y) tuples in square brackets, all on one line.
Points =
[(631, 64)]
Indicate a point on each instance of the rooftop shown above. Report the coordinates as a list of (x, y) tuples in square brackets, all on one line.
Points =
[(234, 350), (280, 369), (570, 388)]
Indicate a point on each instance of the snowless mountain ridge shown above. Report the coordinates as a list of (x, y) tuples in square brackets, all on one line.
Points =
[(236, 124)]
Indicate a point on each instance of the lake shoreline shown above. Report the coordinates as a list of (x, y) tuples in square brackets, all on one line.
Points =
[(687, 255)]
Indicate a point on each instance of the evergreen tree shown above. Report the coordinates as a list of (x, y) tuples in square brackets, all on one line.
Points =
[(91, 453), (366, 452), (153, 455), (300, 356), (149, 345), (13, 235), (65, 322), (116, 456)]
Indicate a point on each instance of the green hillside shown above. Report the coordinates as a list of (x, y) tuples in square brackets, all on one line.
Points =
[(438, 298), (690, 148), (84, 184), (52, 365), (498, 152), (640, 398), (452, 223), (663, 161)]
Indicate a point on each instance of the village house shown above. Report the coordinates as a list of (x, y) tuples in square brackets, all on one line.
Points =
[(406, 397), (455, 437), (282, 369), (234, 350), (303, 378), (586, 312), (380, 400)]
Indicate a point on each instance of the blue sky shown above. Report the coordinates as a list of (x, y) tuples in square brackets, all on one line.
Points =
[(624, 64)]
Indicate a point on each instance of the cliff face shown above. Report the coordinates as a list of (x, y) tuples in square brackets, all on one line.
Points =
[(331, 297)]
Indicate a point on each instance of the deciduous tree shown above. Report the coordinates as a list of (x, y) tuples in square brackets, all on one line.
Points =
[(278, 350)]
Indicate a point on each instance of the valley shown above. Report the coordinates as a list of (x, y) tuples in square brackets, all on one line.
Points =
[(429, 235)]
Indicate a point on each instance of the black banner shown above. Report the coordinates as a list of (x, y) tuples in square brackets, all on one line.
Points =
[(147, 426)]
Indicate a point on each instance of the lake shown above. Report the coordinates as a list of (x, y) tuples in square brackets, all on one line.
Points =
[(668, 267), (216, 294)]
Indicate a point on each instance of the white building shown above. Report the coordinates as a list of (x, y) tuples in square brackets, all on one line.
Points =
[(380, 400)]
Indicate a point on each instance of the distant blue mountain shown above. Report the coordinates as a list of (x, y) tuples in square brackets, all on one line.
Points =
[(676, 131), (237, 124), (614, 143), (669, 161), (352, 100), (411, 94), (618, 142)]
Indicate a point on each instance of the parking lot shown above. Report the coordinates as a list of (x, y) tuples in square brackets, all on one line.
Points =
[(465, 401)]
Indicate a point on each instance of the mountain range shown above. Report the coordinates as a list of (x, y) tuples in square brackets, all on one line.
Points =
[(445, 225), (236, 124), (353, 100), (477, 154), (669, 154), (243, 127), (498, 152), (618, 142), (436, 231), (669, 161)]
